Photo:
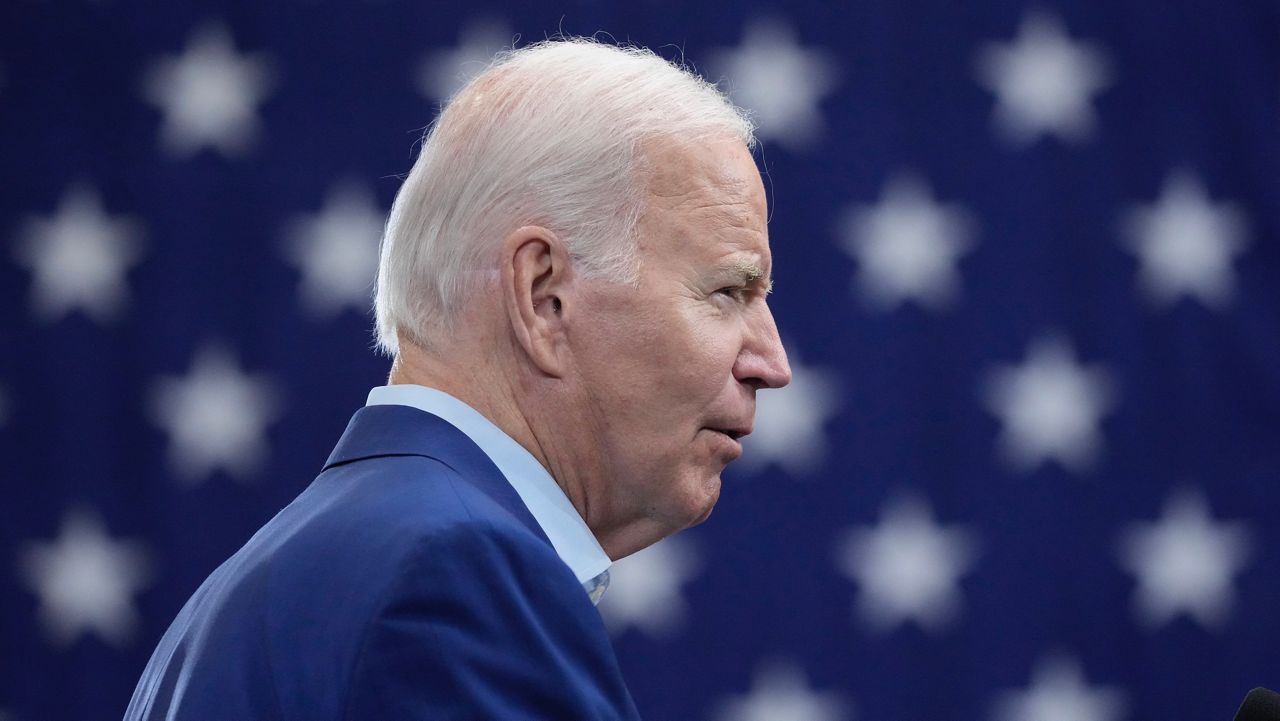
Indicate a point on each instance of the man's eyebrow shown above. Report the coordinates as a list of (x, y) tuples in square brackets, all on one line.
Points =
[(752, 272)]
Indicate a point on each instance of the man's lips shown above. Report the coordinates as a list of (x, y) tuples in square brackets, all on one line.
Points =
[(736, 431), (731, 437)]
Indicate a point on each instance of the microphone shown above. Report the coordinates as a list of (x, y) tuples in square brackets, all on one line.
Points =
[(1260, 705)]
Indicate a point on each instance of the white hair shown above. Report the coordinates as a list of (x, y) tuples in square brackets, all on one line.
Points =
[(549, 135)]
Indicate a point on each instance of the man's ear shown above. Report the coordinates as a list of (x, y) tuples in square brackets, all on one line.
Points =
[(535, 278)]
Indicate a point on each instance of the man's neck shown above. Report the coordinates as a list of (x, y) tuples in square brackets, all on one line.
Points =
[(492, 392), (486, 389), (480, 387)]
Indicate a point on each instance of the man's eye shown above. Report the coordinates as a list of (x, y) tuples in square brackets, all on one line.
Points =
[(735, 292)]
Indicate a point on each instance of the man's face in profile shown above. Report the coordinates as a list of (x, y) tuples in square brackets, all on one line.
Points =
[(670, 367)]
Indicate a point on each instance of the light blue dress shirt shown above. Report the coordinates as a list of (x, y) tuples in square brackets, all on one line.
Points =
[(573, 540)]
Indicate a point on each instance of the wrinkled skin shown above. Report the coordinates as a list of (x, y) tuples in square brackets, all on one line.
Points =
[(668, 370)]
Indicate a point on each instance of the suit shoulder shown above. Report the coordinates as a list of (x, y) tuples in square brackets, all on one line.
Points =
[(362, 540), (378, 510)]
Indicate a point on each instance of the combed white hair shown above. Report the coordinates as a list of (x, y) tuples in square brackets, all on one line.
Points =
[(549, 135)]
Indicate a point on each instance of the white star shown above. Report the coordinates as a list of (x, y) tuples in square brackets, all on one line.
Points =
[(644, 588), (908, 567), (1185, 562), (209, 95), (86, 581), (1051, 407), (216, 416), (1058, 692), (779, 81), (1185, 244), (1044, 83), (780, 692), (788, 425), (337, 251), (78, 258), (907, 247), (442, 73)]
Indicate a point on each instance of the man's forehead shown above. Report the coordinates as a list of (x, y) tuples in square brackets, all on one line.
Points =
[(718, 187), (678, 168), (707, 207)]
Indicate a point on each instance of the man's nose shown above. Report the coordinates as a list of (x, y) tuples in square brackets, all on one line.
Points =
[(762, 362)]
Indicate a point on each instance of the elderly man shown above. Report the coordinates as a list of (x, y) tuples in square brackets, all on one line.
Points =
[(573, 284)]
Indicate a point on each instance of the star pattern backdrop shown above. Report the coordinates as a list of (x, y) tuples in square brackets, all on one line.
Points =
[(1026, 270)]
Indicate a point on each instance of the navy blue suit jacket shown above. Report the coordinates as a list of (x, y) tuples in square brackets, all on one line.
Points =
[(408, 581)]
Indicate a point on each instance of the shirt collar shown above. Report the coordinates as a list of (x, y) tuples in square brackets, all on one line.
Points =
[(550, 507)]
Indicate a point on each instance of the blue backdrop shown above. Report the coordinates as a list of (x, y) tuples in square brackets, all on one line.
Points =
[(1026, 269)]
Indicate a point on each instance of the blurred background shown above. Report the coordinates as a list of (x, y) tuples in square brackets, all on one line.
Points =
[(1026, 270)]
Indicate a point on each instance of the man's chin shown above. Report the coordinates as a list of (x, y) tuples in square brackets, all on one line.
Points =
[(705, 515), (709, 502)]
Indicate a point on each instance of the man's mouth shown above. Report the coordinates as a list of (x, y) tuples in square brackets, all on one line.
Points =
[(732, 436)]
